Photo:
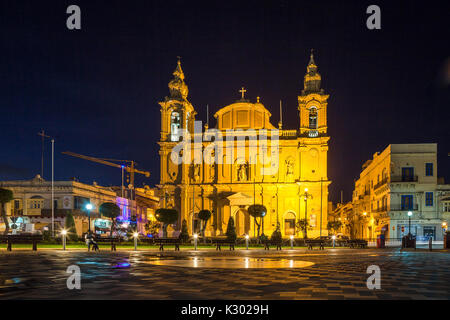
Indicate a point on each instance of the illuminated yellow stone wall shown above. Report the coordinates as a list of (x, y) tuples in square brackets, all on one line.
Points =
[(228, 189)]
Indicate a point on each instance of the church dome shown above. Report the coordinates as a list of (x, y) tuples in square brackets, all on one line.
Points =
[(243, 115)]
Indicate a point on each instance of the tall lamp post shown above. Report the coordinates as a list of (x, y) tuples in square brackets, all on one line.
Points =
[(362, 224), (305, 196), (409, 224), (89, 207)]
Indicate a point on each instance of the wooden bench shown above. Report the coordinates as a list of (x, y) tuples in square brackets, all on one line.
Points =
[(268, 243), (168, 241), (33, 239), (223, 242), (112, 240), (315, 243), (357, 243)]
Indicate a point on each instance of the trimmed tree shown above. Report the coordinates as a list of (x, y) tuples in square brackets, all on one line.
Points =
[(184, 234), (334, 226), (70, 227), (231, 230), (112, 211), (6, 196), (166, 217), (303, 226), (204, 215), (152, 227), (257, 211), (276, 235)]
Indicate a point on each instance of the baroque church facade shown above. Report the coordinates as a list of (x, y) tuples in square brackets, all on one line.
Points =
[(292, 185)]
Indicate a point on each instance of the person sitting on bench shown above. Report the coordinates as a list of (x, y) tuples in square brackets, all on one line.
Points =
[(90, 241)]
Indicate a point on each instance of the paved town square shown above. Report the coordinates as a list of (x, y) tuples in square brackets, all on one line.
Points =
[(329, 274)]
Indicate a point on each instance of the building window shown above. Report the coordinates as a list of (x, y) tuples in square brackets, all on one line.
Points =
[(408, 174), (407, 202), (429, 199), (313, 118), (175, 124), (446, 206), (429, 169), (36, 204), (313, 122), (80, 202)]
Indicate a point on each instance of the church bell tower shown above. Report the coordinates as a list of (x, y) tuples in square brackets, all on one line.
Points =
[(312, 104)]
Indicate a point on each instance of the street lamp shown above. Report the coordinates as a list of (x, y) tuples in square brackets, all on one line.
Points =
[(64, 234), (89, 207), (246, 241), (305, 196), (362, 225), (409, 225), (444, 226), (334, 239)]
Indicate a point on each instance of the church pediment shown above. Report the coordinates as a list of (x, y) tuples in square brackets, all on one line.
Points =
[(240, 199)]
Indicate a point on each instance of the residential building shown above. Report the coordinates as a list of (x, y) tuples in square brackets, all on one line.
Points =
[(400, 179)]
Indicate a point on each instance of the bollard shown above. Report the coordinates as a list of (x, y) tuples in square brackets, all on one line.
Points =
[(246, 241), (195, 241), (64, 233), (135, 235), (292, 242), (430, 243)]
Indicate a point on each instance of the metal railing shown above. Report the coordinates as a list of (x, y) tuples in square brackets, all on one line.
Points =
[(404, 178)]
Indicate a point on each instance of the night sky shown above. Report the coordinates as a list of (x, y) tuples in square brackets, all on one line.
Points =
[(96, 90)]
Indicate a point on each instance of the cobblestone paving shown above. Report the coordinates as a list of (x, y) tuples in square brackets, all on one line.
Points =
[(336, 274)]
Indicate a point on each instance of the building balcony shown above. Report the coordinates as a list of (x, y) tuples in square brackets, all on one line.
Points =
[(47, 213), (399, 207), (380, 209), (380, 184), (404, 179)]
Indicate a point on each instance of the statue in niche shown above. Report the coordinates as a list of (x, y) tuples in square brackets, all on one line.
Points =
[(289, 168), (212, 167), (196, 172), (242, 172)]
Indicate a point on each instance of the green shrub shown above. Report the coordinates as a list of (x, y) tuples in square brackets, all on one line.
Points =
[(184, 234), (231, 230)]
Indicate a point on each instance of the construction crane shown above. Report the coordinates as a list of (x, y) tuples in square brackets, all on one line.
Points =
[(131, 169)]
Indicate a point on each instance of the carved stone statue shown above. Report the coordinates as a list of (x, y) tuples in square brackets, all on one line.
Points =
[(196, 172), (242, 172), (212, 171), (289, 168)]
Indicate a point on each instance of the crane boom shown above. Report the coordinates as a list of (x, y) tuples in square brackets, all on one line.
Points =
[(131, 169)]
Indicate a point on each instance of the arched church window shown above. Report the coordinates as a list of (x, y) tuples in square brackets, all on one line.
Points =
[(175, 124), (313, 122), (313, 118)]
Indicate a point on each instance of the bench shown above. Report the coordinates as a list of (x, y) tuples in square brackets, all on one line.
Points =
[(168, 241), (223, 242), (315, 243), (268, 243), (357, 244), (111, 240), (18, 238)]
